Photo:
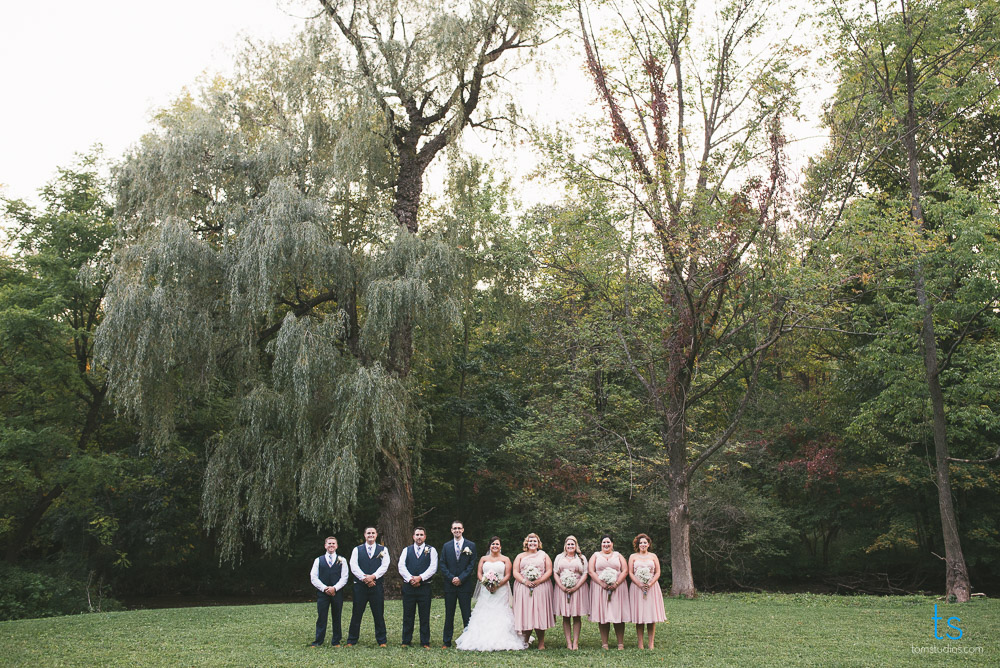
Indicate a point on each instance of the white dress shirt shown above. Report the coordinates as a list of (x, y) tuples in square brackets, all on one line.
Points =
[(460, 543), (379, 572), (426, 575), (314, 575)]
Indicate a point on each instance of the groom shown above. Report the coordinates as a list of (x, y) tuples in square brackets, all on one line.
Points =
[(457, 564)]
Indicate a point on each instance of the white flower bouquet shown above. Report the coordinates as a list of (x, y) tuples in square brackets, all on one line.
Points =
[(645, 576), (609, 576), (568, 579), (531, 574)]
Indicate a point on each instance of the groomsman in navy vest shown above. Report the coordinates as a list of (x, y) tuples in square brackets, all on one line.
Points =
[(417, 564), (329, 576), (369, 563), (458, 565)]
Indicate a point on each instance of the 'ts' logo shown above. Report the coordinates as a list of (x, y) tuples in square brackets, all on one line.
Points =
[(950, 620)]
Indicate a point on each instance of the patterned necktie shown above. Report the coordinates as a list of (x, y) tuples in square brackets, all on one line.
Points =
[(419, 550), (329, 560), (456, 549)]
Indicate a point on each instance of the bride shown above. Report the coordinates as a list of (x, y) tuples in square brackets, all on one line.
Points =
[(491, 626)]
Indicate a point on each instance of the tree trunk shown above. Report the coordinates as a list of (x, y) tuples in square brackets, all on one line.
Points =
[(681, 575), (956, 573), (409, 187), (395, 519)]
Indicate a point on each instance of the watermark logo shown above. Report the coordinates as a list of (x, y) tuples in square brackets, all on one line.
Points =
[(948, 634), (951, 631)]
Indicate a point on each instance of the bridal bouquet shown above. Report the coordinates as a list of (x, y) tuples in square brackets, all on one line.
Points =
[(531, 573), (609, 576), (569, 580), (645, 575), (491, 580)]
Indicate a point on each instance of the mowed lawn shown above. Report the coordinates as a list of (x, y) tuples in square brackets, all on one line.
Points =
[(713, 630)]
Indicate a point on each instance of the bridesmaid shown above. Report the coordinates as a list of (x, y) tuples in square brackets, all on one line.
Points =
[(646, 597), (609, 603), (533, 599), (571, 602)]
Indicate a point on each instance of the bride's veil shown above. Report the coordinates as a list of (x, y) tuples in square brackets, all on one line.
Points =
[(475, 594)]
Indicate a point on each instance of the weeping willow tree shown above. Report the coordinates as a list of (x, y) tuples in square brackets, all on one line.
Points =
[(270, 254)]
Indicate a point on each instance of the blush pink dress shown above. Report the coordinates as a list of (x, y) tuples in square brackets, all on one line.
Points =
[(648, 608), (603, 610), (533, 608), (576, 604)]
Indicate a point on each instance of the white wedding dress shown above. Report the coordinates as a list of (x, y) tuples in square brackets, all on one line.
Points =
[(491, 625)]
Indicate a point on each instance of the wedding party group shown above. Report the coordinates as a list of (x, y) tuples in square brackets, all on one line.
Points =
[(607, 588)]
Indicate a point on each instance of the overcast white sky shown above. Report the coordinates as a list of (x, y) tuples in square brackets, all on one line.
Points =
[(84, 71), (76, 73)]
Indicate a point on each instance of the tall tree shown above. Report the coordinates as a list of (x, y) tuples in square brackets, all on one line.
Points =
[(52, 397), (910, 71), (697, 306), (272, 253), (426, 67)]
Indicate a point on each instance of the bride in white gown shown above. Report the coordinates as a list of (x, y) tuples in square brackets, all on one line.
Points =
[(491, 626)]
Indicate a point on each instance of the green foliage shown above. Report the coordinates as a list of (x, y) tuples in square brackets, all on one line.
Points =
[(28, 594), (58, 443), (260, 264)]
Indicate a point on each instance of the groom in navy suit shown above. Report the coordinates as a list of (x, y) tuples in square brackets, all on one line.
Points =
[(458, 567)]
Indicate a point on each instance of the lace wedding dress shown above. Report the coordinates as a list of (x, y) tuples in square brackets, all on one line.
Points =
[(491, 626)]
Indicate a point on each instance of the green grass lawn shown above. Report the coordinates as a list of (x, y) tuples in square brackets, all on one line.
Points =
[(713, 630)]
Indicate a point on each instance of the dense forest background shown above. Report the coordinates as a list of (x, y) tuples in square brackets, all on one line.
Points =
[(256, 330)]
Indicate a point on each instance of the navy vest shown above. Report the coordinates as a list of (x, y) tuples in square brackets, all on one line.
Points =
[(330, 575), (417, 566), (369, 566)]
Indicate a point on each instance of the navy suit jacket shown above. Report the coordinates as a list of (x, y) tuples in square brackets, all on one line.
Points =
[(463, 567)]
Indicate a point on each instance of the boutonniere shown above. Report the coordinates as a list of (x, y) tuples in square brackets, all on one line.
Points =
[(341, 560), (466, 550), (385, 553)]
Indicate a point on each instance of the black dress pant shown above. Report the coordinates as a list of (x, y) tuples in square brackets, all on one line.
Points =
[(332, 605), (464, 599), (417, 599), (363, 597)]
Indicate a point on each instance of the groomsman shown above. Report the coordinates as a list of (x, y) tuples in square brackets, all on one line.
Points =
[(458, 566), (421, 559), (328, 576), (369, 563)]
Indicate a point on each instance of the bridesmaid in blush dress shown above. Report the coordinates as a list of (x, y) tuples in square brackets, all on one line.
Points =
[(573, 603), (646, 597), (533, 598), (609, 602)]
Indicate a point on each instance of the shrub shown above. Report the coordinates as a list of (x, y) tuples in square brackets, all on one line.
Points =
[(26, 594)]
